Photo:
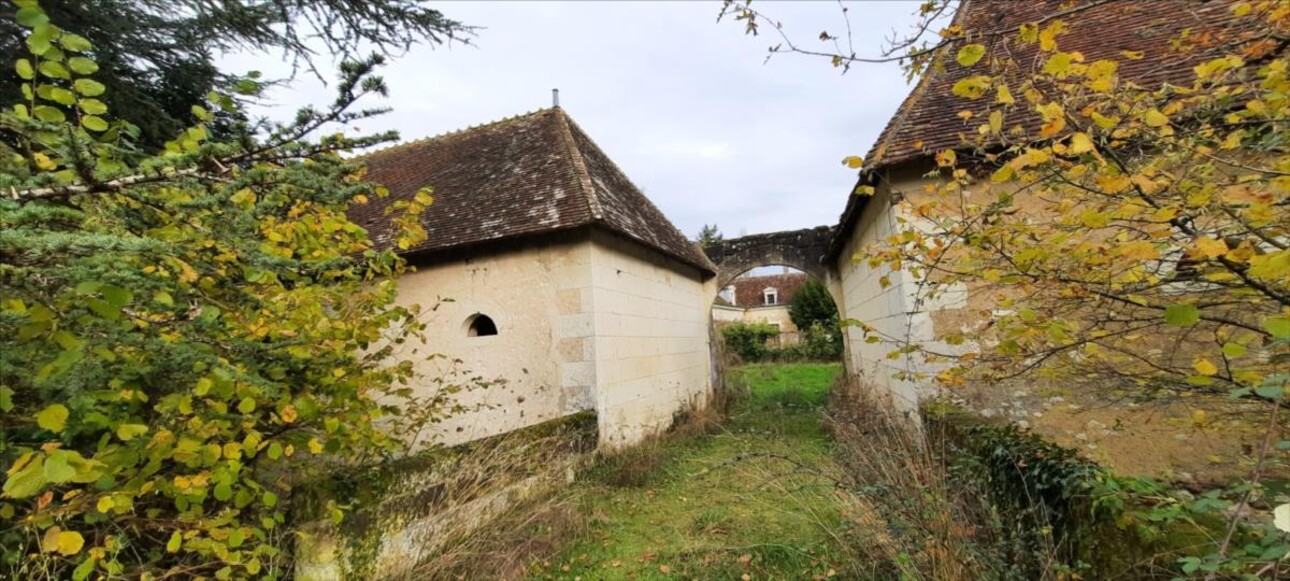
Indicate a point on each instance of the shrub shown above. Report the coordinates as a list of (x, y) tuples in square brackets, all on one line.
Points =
[(748, 340)]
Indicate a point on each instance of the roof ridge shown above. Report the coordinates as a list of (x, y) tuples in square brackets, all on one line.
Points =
[(579, 166), (570, 122), (454, 133)]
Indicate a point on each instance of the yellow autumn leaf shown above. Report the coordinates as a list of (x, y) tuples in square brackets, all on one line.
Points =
[(1058, 65), (970, 54), (972, 87), (315, 446), (1154, 118), (1003, 96), (1139, 250), (853, 161), (1207, 247), (1048, 37), (1080, 143), (1204, 367)]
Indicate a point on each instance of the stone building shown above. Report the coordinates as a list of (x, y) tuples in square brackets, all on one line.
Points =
[(547, 269), (898, 164), (761, 299)]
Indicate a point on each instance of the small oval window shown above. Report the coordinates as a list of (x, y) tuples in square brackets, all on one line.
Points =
[(481, 325)]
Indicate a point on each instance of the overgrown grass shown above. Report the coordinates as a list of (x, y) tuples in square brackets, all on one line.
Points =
[(755, 496)]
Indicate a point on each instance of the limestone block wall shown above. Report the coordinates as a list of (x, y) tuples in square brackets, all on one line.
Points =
[(651, 339), (886, 310), (541, 364), (900, 311)]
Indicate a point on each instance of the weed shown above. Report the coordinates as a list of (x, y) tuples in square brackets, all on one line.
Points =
[(713, 521)]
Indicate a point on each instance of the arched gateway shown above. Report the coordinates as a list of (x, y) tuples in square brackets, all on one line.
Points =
[(804, 250)]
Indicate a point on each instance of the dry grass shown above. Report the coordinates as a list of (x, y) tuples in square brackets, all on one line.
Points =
[(508, 546), (913, 520)]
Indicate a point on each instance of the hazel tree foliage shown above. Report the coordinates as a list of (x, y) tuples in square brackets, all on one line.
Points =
[(185, 337), (1136, 240)]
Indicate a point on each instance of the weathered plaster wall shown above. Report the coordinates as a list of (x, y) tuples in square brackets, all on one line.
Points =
[(651, 339), (538, 292)]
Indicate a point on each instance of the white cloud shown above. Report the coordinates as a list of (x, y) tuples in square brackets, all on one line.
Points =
[(689, 108)]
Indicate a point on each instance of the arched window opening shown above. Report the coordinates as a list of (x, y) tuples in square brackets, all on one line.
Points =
[(481, 326), (770, 296)]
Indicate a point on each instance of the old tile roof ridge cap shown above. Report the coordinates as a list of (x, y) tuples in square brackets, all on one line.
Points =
[(579, 166), (450, 134)]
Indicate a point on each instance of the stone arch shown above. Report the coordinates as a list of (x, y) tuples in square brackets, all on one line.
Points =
[(801, 249)]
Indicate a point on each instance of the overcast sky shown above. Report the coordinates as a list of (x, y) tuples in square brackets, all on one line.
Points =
[(687, 107)]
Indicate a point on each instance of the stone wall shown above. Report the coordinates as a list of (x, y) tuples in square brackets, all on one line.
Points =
[(885, 308), (651, 339), (541, 362), (407, 511)]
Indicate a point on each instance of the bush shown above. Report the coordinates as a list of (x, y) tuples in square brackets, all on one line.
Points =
[(748, 340)]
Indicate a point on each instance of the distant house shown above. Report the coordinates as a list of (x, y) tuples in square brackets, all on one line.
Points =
[(761, 299), (548, 269)]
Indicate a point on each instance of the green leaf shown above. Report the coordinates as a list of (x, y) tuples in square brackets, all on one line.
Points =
[(1279, 327), (1270, 391), (57, 468), (176, 540), (1182, 315), (27, 480), (223, 492), (970, 54), (92, 106), (31, 16), (53, 418), (128, 432), (89, 87), (61, 96), (82, 571), (6, 399), (54, 70), (48, 114), (246, 406), (38, 42), (75, 42), (23, 66), (116, 296), (1233, 350), (94, 123), (82, 66)]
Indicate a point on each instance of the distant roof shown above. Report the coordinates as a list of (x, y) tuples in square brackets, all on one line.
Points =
[(927, 121), (531, 174), (749, 289)]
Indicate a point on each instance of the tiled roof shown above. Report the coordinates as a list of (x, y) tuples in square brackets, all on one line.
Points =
[(927, 121), (749, 289), (531, 174)]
